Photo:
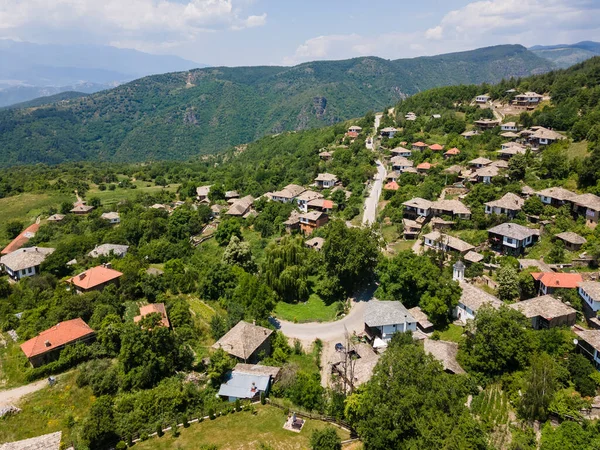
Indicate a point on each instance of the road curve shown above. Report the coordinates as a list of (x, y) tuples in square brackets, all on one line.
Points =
[(371, 202)]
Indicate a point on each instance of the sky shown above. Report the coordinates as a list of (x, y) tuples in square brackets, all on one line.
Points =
[(287, 32)]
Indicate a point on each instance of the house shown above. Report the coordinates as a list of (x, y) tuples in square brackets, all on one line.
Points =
[(326, 156), (303, 199), (548, 282), (512, 238), (555, 196), (202, 193), (352, 134), (527, 192), (320, 204), (417, 207), (573, 241), (389, 132), (246, 342), (56, 218), (423, 323), (588, 343), (24, 262), (288, 194), (154, 308), (312, 220), (544, 136), (112, 217), (248, 382), (498, 164), (401, 151), (469, 134), (546, 312), (391, 186), (536, 263), (419, 146), (241, 206), (411, 116), (315, 243), (392, 176), (589, 291), (326, 180), (81, 209), (424, 167), (355, 365), (217, 210), (528, 100), (411, 228), (473, 257), (355, 129), (436, 148), (510, 126), (47, 345), (453, 208), (115, 250), (509, 135), (471, 300), (480, 162), (452, 152), (446, 243), (510, 205), (486, 124), (482, 98), (588, 206), (95, 279), (511, 149), (400, 163), (230, 195), (385, 318), (485, 174), (435, 116), (445, 352), (21, 239), (293, 222)]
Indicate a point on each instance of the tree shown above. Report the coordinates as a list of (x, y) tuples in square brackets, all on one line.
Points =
[(286, 269), (98, 430), (226, 230), (238, 253), (508, 283), (502, 343), (533, 206), (526, 283), (580, 369), (325, 439), (517, 167), (540, 386), (14, 228), (220, 364), (556, 254)]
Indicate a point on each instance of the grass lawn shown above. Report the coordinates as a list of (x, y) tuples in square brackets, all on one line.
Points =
[(390, 233), (401, 246), (314, 310), (453, 333), (48, 410), (241, 430), (109, 197), (578, 150), (13, 364)]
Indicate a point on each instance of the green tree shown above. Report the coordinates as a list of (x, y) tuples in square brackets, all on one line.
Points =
[(557, 252), (238, 253), (517, 167), (98, 430), (285, 269), (325, 439), (540, 386), (508, 283), (14, 228), (533, 206), (226, 230), (220, 364)]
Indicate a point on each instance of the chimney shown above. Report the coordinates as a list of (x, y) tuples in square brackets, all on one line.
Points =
[(82, 276), (47, 344)]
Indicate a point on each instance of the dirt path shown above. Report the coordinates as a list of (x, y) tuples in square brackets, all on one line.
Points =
[(12, 396)]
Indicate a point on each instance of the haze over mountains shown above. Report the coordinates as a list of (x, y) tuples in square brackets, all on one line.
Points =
[(35, 70), (564, 56)]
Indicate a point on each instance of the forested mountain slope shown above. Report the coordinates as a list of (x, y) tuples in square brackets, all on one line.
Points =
[(564, 56), (177, 115)]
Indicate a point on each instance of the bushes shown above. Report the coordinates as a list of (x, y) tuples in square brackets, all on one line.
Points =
[(69, 357)]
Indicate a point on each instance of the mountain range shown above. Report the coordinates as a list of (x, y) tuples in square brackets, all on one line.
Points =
[(34, 70), (566, 55)]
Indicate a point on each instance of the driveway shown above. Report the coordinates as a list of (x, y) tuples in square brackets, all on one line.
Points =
[(12, 396), (371, 202)]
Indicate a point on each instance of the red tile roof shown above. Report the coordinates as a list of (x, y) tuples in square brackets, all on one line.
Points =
[(452, 151), (419, 144), (436, 147), (352, 134), (391, 186), (153, 308), (558, 280), (57, 336), (424, 166), (21, 239), (94, 277)]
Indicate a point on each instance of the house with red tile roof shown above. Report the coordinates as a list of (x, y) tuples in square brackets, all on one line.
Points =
[(95, 279), (391, 186), (436, 147), (21, 239), (47, 345), (419, 146), (158, 308), (424, 167), (550, 281), (452, 152)]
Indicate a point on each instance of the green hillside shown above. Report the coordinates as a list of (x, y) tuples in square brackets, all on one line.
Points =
[(564, 56), (68, 95), (177, 115)]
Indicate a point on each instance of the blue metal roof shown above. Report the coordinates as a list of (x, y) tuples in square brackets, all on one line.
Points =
[(239, 385)]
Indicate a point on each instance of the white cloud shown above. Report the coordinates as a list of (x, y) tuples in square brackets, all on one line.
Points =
[(478, 24), (146, 22)]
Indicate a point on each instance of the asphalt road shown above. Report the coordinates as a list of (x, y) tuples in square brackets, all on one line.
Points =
[(370, 209)]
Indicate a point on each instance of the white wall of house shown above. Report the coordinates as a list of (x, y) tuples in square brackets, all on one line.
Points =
[(24, 273), (387, 331), (463, 313), (593, 304), (545, 200), (282, 199)]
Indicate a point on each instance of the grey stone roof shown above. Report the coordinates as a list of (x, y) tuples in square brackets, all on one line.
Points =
[(474, 298), (290, 191), (571, 238), (526, 263), (489, 171), (110, 215), (106, 249), (56, 218), (592, 288), (240, 206), (508, 201), (312, 215), (473, 257), (590, 201), (202, 191), (592, 337), (445, 352), (451, 241), (326, 177), (24, 258), (455, 206), (420, 317), (514, 231), (316, 243), (46, 442), (545, 306), (243, 339), (392, 312), (481, 160), (418, 202), (557, 193), (544, 133), (309, 195)]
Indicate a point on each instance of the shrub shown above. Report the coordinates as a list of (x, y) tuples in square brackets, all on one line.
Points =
[(159, 430), (121, 445), (238, 405), (263, 399), (175, 430), (211, 414), (185, 422)]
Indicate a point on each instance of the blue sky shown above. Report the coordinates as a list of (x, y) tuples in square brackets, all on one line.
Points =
[(252, 32)]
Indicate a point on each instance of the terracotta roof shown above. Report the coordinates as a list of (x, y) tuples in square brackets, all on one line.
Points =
[(57, 336), (452, 151), (571, 238), (391, 186), (419, 144), (153, 308), (436, 147), (243, 339), (352, 134), (558, 280), (424, 166), (94, 277), (21, 239)]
